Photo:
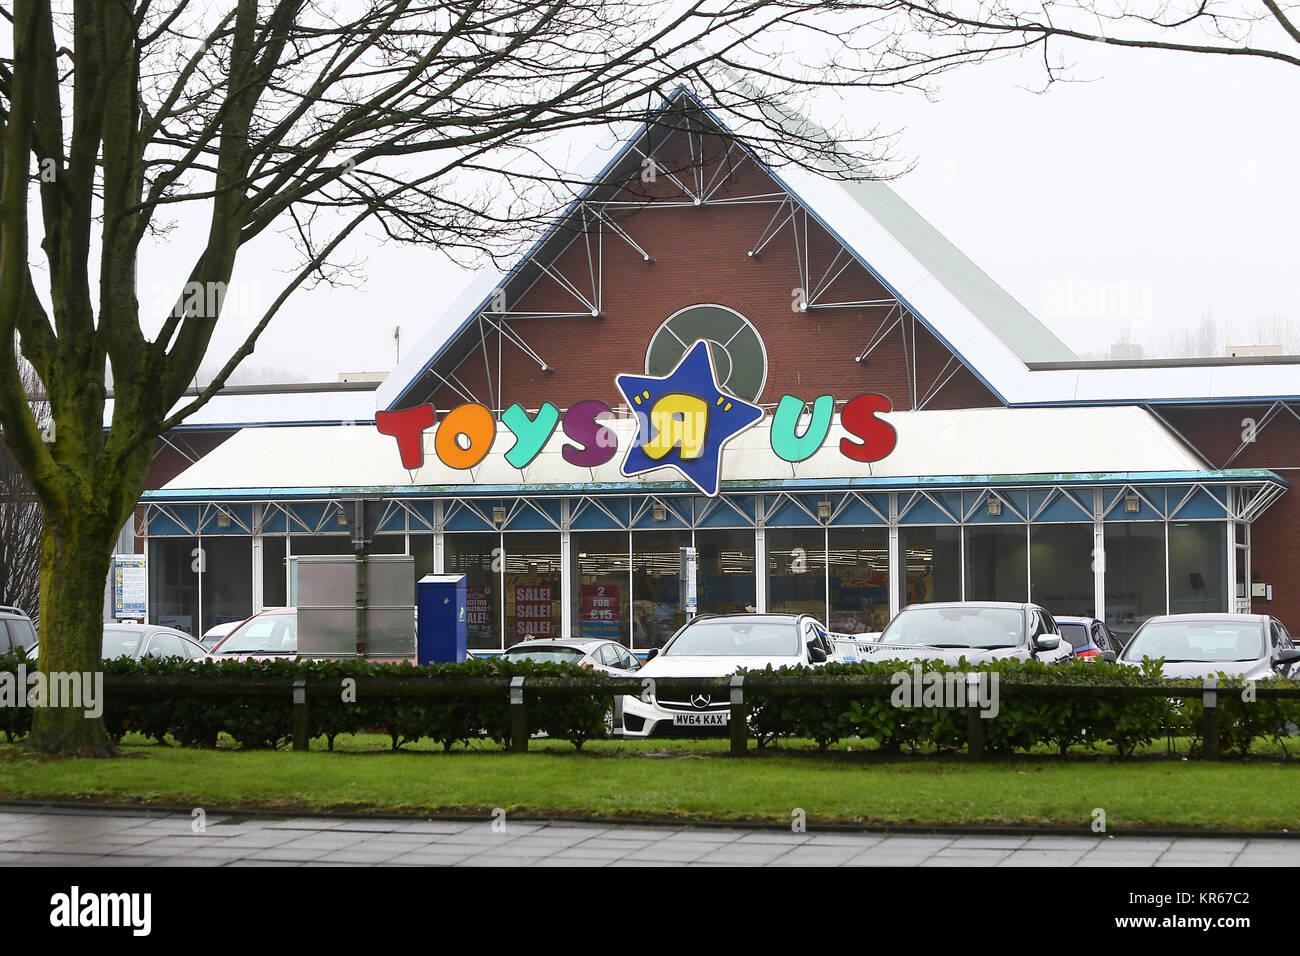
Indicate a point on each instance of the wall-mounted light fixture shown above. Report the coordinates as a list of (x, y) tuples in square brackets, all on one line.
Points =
[(823, 510), (341, 518), (659, 513), (498, 516), (1132, 503), (223, 521), (994, 506)]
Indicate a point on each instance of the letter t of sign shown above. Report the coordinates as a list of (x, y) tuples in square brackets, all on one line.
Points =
[(407, 426)]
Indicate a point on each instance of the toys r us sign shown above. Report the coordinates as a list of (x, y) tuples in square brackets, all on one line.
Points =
[(684, 421)]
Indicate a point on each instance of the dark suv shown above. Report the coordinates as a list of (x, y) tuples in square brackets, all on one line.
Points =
[(16, 630)]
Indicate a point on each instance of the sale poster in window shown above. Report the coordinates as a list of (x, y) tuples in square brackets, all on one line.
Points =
[(599, 611), (478, 609), (533, 610)]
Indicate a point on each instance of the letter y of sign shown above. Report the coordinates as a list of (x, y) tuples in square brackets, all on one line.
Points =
[(407, 426)]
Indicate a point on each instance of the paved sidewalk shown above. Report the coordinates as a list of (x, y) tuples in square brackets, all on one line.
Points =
[(123, 838)]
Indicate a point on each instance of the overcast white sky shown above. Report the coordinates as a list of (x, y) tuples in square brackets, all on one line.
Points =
[(1162, 189)]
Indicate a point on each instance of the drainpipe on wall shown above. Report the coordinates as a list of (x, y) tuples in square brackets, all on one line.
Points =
[(360, 541)]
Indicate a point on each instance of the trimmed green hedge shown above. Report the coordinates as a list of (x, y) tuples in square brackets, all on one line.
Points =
[(258, 721), (1024, 719)]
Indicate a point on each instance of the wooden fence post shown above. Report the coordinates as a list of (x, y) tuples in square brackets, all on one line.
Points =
[(739, 718), (1210, 718), (301, 716), (518, 716), (974, 722)]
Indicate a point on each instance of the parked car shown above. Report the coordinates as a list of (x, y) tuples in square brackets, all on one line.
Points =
[(975, 630), (139, 641), (610, 657), (213, 635), (1089, 637), (717, 646), (272, 634), (1249, 646), (16, 630), (269, 634)]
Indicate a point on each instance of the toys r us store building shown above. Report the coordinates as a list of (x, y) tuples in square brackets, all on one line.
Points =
[(870, 422)]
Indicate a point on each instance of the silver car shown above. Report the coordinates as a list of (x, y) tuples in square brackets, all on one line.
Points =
[(978, 631), (139, 641), (609, 657), (1249, 646)]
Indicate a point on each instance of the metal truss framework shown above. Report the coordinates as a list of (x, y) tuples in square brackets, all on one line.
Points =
[(1240, 501), (1275, 411), (591, 220)]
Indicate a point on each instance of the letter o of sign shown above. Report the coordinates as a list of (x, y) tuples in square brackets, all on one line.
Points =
[(473, 421)]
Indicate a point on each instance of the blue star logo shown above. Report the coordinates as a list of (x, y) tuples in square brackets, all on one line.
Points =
[(684, 420)]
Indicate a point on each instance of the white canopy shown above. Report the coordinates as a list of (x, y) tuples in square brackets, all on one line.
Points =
[(966, 442)]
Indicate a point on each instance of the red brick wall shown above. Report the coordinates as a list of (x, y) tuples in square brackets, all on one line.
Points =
[(1275, 546), (700, 257), (181, 450)]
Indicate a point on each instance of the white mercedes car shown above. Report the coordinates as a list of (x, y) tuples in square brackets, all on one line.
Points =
[(718, 646)]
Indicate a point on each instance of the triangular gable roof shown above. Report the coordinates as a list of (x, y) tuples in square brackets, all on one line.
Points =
[(1013, 353), (978, 320)]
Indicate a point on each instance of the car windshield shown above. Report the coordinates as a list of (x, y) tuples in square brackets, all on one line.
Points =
[(1198, 641), (723, 638), (982, 627), (546, 654), (122, 643), (1076, 634), (266, 634)]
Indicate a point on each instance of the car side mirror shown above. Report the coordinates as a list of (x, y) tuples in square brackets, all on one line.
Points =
[(1046, 642), (654, 652), (816, 654), (1289, 656), (1109, 657)]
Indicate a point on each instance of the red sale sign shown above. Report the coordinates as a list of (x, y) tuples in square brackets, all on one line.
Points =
[(533, 610)]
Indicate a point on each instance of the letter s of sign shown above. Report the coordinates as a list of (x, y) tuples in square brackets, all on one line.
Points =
[(876, 438), (582, 426)]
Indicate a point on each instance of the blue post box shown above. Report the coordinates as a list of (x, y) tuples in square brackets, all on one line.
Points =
[(442, 626)]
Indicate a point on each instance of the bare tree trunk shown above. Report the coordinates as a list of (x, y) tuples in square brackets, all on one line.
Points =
[(74, 564)]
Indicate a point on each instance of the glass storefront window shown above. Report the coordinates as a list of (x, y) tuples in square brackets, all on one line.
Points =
[(726, 571), (1060, 578), (796, 571), (274, 587), (656, 608), (227, 580), (475, 556), (1198, 567), (859, 572), (931, 564), (532, 586), (321, 544), (600, 589), (996, 569), (1135, 575), (174, 583), (387, 544)]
